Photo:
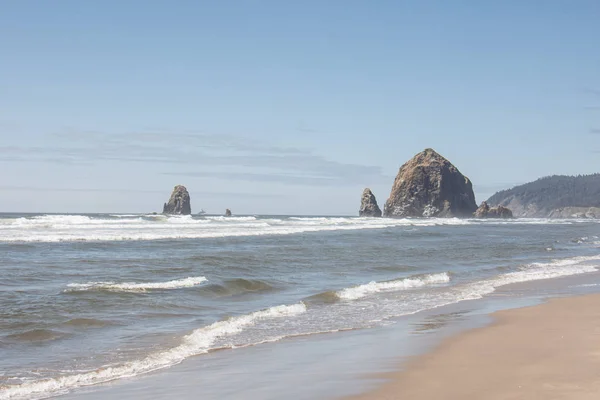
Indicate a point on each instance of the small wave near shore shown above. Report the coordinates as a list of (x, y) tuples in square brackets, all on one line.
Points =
[(198, 342), (293, 320), (373, 287)]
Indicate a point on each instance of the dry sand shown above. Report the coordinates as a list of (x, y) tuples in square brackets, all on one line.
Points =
[(545, 352)]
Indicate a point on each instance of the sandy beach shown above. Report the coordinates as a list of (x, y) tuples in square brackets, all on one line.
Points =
[(549, 351)]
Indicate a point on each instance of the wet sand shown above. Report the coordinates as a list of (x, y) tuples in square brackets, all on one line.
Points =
[(549, 351)]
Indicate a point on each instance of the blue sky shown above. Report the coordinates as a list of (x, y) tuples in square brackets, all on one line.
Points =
[(287, 107)]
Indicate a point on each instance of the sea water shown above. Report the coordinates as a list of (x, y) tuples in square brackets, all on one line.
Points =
[(89, 299)]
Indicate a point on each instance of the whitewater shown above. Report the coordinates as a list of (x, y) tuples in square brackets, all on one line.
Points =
[(90, 299), (60, 228)]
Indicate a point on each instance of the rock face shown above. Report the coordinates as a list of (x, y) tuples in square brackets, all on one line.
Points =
[(179, 203), (428, 185), (228, 212), (368, 205), (485, 211)]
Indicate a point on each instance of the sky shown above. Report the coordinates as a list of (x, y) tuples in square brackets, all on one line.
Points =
[(281, 107)]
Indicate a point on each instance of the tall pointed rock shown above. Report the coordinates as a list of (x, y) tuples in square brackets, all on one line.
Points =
[(179, 202), (428, 185), (368, 205)]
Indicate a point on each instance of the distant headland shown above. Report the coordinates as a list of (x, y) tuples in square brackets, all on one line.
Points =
[(556, 196)]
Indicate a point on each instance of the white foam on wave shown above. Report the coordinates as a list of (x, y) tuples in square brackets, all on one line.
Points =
[(533, 272), (49, 220), (230, 219), (209, 337), (360, 291), (61, 228), (68, 228), (446, 295), (137, 287), (435, 298), (51, 223), (530, 221), (587, 285), (197, 342)]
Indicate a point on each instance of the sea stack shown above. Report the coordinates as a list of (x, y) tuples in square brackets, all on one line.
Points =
[(227, 212), (179, 203), (485, 211), (368, 205), (428, 185)]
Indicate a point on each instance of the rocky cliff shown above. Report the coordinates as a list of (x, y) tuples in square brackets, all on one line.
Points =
[(368, 205), (179, 202), (428, 185)]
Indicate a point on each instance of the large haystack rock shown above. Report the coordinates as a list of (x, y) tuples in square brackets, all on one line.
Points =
[(179, 203), (368, 205), (428, 185)]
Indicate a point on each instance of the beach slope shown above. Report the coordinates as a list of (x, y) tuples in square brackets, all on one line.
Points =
[(549, 351)]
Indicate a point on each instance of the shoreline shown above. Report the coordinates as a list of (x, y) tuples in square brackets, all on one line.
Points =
[(353, 363), (546, 351)]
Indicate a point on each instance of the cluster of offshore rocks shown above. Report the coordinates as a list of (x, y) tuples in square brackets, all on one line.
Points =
[(428, 185), (179, 203)]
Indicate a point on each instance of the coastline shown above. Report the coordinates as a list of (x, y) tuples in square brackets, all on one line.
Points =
[(353, 363), (546, 351)]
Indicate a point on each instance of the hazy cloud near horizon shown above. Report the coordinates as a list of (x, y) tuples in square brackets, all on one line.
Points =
[(119, 168), (205, 155), (129, 191)]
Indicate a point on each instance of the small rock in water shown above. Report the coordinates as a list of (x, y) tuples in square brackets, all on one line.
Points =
[(228, 212), (485, 211)]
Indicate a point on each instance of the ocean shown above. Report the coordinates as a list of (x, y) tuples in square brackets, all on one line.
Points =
[(96, 298)]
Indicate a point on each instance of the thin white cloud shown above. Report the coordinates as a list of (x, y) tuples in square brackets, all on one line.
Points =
[(127, 191), (206, 155)]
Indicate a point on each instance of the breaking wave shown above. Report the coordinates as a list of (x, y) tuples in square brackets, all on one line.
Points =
[(348, 300), (69, 228), (360, 291), (197, 342), (136, 287), (532, 272)]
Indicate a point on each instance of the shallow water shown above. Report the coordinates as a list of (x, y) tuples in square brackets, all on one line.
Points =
[(94, 298)]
